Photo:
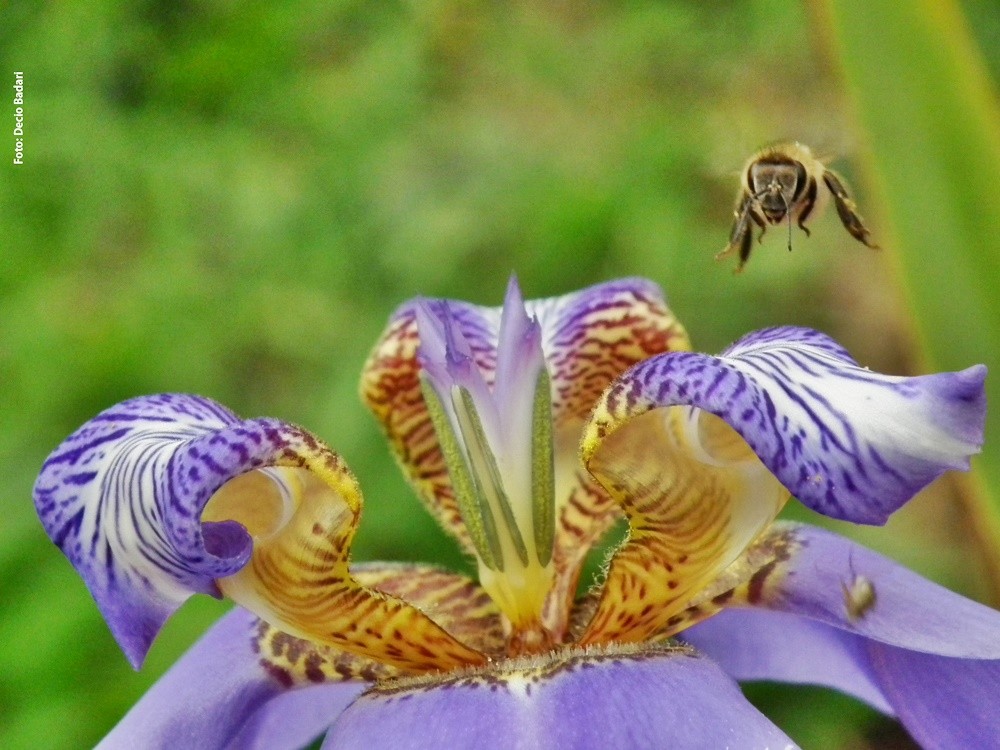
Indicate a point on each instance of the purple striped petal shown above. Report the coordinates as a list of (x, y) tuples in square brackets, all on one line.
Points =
[(123, 496), (849, 443), (219, 695), (644, 699)]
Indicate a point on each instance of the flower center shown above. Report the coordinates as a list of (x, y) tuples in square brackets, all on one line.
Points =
[(497, 444)]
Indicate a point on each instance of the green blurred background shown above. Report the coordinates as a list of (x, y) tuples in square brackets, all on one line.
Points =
[(229, 199)]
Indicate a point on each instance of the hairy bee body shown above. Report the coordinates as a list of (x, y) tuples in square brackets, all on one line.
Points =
[(785, 182)]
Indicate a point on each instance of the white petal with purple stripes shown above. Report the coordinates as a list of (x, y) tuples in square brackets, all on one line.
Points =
[(851, 443), (848, 442), (123, 495)]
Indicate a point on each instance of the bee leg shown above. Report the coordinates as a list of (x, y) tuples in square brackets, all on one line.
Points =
[(759, 222), (739, 235), (746, 245), (808, 203), (847, 211)]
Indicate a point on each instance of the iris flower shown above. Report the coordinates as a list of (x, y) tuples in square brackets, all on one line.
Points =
[(528, 430)]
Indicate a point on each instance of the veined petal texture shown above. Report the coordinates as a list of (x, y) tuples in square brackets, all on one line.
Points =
[(849, 443), (123, 496)]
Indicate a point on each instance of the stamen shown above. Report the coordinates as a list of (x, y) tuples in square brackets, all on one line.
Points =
[(543, 488), (497, 441), (485, 472), (473, 505)]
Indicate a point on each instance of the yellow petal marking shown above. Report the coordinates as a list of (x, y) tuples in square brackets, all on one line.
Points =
[(743, 583), (454, 601), (583, 359), (298, 578), (695, 496)]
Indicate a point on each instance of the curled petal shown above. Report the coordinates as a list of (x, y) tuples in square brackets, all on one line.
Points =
[(618, 698), (161, 497), (695, 497), (299, 579), (222, 694), (590, 338), (849, 443), (123, 495)]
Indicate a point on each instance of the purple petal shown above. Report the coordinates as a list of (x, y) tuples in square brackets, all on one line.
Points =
[(457, 341), (296, 718), (942, 702), (757, 645), (218, 695), (907, 610), (849, 443), (915, 649), (518, 345), (657, 698), (123, 496), (447, 356)]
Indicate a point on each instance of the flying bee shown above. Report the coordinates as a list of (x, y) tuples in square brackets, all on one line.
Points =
[(859, 596), (783, 182)]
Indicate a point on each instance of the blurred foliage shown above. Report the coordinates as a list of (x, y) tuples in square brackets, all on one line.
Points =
[(937, 176), (231, 199)]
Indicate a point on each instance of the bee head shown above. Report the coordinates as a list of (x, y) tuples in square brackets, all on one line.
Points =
[(776, 184)]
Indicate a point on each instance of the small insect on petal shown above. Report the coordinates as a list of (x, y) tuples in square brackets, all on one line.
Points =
[(859, 597)]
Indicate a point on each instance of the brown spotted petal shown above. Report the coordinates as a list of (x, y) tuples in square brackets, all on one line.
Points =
[(302, 520), (248, 684), (744, 581), (390, 387), (590, 338), (695, 497), (455, 602)]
